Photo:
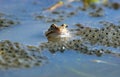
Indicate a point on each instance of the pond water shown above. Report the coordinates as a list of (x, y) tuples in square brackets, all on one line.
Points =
[(70, 63)]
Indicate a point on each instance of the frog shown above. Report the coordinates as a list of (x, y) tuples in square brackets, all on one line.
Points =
[(56, 33)]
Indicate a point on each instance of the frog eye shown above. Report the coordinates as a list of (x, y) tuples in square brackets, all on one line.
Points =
[(53, 25), (64, 25)]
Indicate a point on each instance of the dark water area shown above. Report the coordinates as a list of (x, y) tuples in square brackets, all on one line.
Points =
[(70, 63)]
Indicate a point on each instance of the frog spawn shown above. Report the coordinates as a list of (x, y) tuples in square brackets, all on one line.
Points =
[(62, 46), (77, 45), (107, 36), (14, 54)]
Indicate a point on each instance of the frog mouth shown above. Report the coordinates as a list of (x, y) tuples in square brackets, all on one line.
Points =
[(60, 34)]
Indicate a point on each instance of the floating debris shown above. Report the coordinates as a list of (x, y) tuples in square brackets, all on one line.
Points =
[(53, 15), (57, 5)]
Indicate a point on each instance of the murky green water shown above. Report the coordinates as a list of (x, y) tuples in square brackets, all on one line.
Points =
[(70, 63)]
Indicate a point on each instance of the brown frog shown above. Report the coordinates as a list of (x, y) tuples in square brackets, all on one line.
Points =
[(55, 33)]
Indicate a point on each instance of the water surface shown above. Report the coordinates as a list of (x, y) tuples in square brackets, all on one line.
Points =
[(70, 63)]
